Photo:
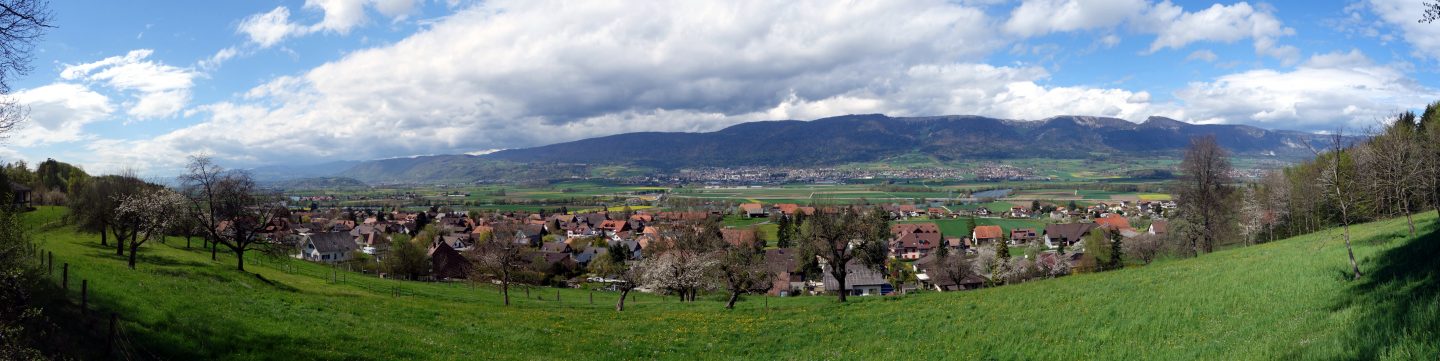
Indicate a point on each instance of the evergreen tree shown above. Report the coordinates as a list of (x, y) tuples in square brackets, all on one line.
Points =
[(784, 232), (1002, 248), (970, 225), (1117, 255)]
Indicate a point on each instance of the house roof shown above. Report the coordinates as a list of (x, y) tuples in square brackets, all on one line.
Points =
[(17, 187), (987, 232), (787, 208), (1113, 221), (559, 247), (752, 208), (780, 260), (900, 228), (1071, 232), (738, 236), (1159, 227), (857, 275), (333, 242)]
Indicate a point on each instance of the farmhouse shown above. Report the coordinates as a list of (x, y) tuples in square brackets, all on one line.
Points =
[(20, 196), (446, 262), (738, 237), (752, 210), (859, 280), (327, 247), (986, 234), (1023, 235), (913, 240), (1066, 234)]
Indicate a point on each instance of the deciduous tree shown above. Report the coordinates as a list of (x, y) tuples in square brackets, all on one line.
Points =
[(228, 205), (845, 234), (1204, 189)]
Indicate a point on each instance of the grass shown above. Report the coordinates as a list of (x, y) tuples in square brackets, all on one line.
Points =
[(958, 227), (1283, 300)]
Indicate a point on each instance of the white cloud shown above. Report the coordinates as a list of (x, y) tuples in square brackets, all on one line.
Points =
[(1325, 92), (220, 57), (1424, 38), (1176, 28), (269, 28), (339, 16), (1203, 55), (58, 113), (1040, 17), (159, 90)]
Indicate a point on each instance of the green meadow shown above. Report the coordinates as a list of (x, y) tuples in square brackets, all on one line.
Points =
[(1289, 299)]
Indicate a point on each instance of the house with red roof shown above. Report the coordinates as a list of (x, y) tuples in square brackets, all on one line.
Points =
[(986, 234)]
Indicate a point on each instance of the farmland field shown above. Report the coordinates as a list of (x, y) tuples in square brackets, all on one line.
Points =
[(1283, 300)]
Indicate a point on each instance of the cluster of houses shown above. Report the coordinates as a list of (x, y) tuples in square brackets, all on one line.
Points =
[(570, 241), (918, 242)]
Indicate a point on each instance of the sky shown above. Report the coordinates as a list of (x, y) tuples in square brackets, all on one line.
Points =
[(141, 85)]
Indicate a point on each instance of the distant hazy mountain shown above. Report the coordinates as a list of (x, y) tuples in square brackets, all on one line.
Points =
[(862, 138), (316, 183), (275, 173), (829, 141)]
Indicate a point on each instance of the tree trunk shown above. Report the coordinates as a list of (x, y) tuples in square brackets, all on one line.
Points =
[(120, 243), (620, 305), (1355, 267), (240, 259), (840, 280), (213, 250), (505, 290), (103, 235), (734, 296), (133, 247), (1409, 218)]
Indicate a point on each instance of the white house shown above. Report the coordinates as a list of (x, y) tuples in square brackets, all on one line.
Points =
[(327, 247)]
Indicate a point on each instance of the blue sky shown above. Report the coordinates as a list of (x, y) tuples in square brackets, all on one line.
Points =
[(140, 85)]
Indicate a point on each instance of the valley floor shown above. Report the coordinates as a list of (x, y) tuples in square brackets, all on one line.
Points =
[(1283, 300)]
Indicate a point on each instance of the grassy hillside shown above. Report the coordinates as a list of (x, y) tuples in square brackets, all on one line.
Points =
[(1284, 300)]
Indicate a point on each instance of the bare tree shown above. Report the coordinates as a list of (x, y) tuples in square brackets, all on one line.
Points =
[(1144, 246), (1428, 129), (500, 259), (1203, 190), (840, 236), (1391, 163), (228, 205), (153, 212), (1337, 177), (22, 24), (742, 270), (1432, 12), (1276, 200), (954, 268)]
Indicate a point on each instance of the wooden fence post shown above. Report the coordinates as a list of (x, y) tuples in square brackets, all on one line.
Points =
[(84, 297), (592, 297), (110, 337), (52, 263), (65, 276), (557, 295)]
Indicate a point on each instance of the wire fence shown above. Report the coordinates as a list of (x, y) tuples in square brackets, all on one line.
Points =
[(93, 322)]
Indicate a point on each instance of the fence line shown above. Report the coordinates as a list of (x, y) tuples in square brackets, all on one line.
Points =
[(118, 344)]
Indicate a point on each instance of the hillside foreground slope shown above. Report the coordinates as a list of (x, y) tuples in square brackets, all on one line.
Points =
[(1284, 300)]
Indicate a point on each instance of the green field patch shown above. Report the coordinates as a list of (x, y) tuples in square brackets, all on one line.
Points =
[(1288, 299)]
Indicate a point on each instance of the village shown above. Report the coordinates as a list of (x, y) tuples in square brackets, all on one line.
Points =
[(560, 246)]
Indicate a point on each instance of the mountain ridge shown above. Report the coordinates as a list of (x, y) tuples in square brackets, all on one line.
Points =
[(825, 142)]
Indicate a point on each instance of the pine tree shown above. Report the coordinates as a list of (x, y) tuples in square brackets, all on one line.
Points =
[(1117, 260), (783, 233), (1002, 248)]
